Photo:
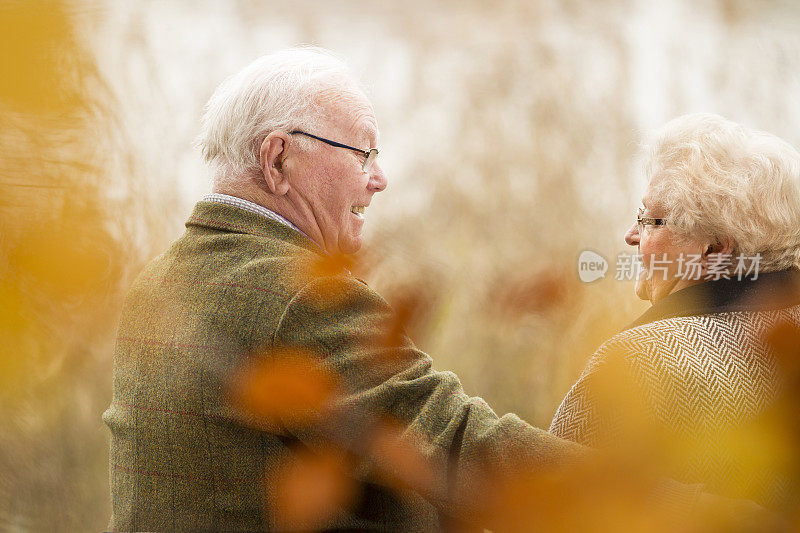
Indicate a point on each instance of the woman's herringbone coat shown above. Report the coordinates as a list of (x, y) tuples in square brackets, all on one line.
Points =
[(693, 385)]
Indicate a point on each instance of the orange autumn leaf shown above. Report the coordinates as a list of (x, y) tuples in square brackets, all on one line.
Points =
[(784, 338), (284, 387), (412, 308), (310, 489), (531, 293), (328, 271), (365, 262), (399, 461), (586, 498), (405, 311), (332, 265)]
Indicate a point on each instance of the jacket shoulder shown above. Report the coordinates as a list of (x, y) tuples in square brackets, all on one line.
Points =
[(703, 372)]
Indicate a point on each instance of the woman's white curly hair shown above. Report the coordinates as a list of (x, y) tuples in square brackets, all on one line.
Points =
[(715, 178)]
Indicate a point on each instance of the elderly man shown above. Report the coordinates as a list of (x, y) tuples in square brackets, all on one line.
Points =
[(291, 139)]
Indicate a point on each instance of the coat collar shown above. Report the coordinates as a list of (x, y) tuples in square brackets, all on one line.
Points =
[(769, 291), (232, 219)]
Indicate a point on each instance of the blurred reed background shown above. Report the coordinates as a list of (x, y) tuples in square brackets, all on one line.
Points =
[(508, 131)]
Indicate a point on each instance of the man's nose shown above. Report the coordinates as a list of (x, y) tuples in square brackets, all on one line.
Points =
[(632, 235), (377, 178)]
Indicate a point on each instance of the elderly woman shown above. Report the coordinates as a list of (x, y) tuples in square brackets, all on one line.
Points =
[(688, 385)]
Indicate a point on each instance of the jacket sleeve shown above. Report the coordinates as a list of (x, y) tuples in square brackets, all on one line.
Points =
[(606, 405), (352, 329), (610, 408)]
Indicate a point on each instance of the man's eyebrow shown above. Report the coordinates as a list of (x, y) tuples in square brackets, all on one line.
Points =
[(372, 133)]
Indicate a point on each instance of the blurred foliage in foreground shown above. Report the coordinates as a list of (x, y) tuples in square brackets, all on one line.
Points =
[(64, 254), (291, 389)]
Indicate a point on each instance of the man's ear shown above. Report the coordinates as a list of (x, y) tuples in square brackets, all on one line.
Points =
[(271, 156)]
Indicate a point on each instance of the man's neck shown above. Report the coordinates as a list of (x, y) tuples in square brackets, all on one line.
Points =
[(276, 204)]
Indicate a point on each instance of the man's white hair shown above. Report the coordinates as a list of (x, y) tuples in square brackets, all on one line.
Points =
[(275, 92), (718, 179)]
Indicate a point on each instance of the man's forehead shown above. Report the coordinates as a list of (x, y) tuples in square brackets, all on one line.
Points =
[(350, 108), (335, 94)]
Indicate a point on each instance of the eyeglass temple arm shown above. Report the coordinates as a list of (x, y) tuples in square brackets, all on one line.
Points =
[(330, 142)]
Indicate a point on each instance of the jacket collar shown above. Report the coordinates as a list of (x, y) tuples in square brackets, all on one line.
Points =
[(224, 217), (769, 291)]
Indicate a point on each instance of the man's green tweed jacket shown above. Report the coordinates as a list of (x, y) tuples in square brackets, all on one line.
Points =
[(233, 286)]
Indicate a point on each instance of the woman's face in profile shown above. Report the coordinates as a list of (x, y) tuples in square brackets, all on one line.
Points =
[(666, 260)]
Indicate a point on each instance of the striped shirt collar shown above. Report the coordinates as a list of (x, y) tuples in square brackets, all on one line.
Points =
[(252, 207)]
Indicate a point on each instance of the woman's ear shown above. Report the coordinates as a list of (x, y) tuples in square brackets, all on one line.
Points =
[(272, 154), (722, 246), (717, 258)]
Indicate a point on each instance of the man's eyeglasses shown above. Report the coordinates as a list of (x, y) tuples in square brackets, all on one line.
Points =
[(369, 155), (642, 221)]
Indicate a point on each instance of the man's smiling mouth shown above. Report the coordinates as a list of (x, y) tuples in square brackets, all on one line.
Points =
[(358, 210)]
